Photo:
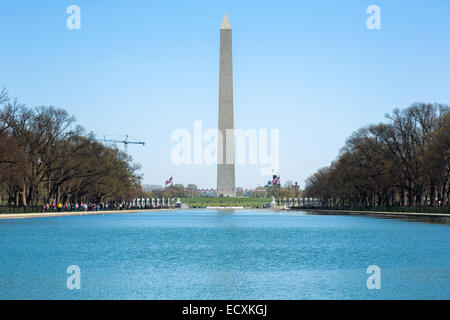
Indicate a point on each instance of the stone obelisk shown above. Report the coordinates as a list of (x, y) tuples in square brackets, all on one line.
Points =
[(225, 151)]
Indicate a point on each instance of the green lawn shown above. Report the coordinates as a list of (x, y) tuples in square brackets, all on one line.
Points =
[(226, 202)]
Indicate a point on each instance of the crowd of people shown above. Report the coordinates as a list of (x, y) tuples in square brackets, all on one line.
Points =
[(83, 207)]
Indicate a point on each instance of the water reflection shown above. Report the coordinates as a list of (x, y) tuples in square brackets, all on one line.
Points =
[(399, 217)]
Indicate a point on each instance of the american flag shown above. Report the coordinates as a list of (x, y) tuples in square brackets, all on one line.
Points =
[(169, 181), (276, 180)]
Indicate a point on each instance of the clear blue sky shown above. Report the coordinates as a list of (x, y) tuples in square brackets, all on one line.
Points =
[(145, 68)]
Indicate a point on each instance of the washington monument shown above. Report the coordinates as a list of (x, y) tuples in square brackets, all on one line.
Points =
[(225, 150)]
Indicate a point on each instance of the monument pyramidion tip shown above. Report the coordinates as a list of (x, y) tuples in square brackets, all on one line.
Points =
[(225, 23)]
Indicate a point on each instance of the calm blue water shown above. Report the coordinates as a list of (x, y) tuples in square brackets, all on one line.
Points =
[(223, 255)]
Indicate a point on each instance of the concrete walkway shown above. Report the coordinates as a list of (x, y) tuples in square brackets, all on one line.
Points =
[(63, 214)]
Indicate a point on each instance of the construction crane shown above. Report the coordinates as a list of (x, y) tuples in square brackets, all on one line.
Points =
[(125, 142)]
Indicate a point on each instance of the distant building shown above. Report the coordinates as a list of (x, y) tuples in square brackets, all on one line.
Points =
[(259, 192), (207, 192), (151, 187)]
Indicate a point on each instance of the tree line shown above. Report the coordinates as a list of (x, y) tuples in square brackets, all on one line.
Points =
[(46, 157), (404, 161), (289, 190)]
